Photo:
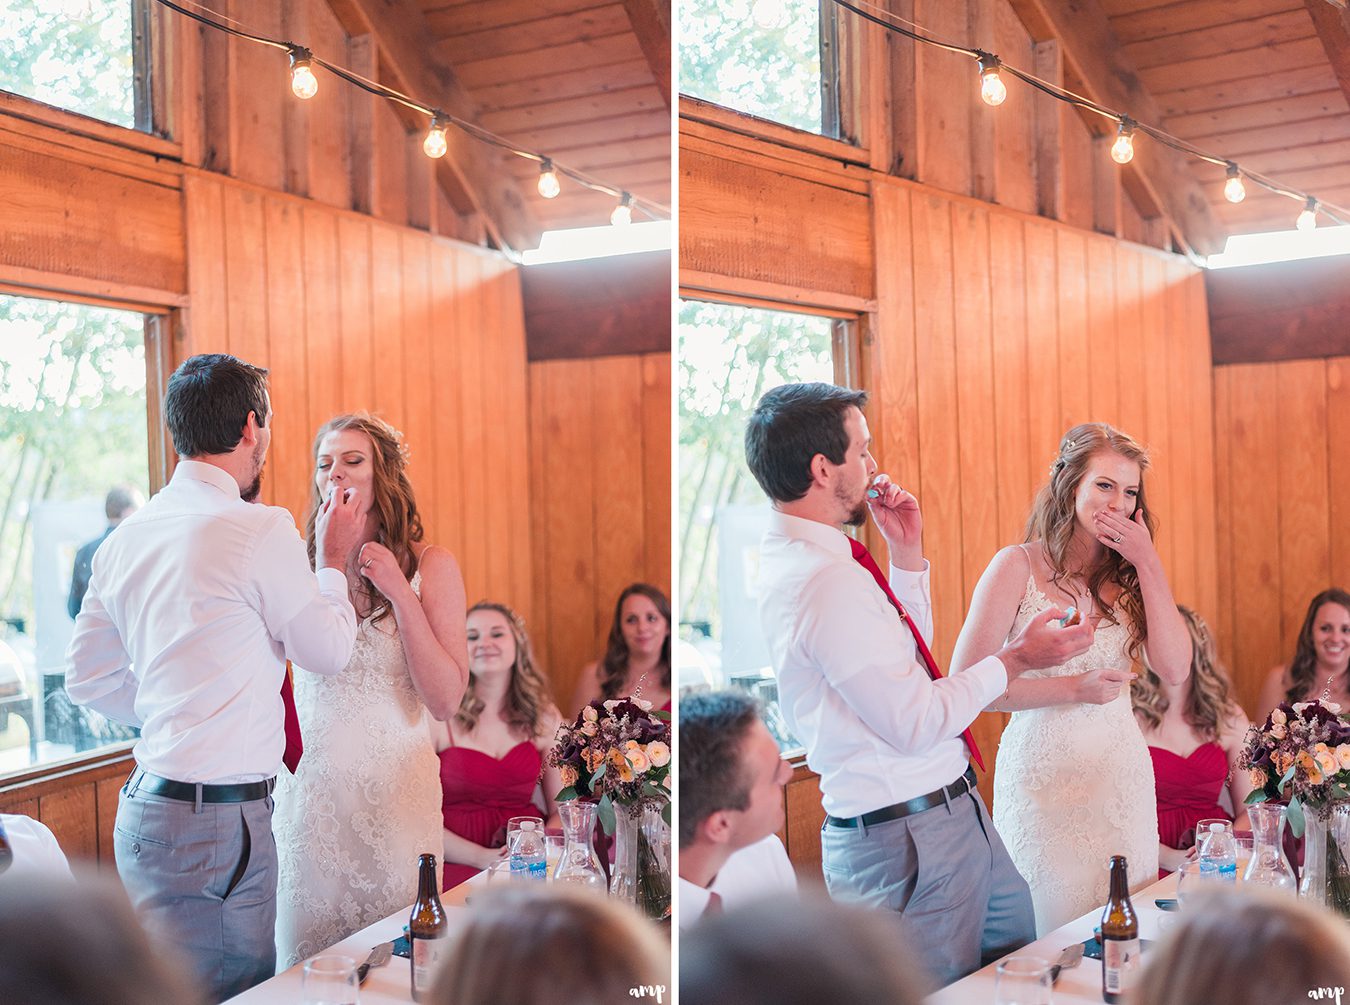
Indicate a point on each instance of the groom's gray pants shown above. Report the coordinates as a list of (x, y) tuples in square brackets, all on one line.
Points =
[(945, 870), (203, 880)]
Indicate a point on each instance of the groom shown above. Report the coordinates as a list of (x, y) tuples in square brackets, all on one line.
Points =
[(193, 607), (906, 829)]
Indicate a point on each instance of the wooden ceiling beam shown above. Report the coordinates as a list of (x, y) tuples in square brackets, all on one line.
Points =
[(1093, 57), (1333, 28), (651, 24), (399, 30)]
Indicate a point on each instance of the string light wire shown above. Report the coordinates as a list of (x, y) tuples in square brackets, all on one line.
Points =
[(652, 209)]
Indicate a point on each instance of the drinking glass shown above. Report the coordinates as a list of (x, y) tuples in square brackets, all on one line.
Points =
[(555, 841), (330, 980), (1023, 980), (1190, 880), (1246, 843), (513, 829)]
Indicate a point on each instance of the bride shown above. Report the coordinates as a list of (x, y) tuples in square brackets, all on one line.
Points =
[(366, 798), (1074, 784)]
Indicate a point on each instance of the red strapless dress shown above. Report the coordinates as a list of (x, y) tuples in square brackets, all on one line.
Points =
[(480, 793), (1188, 791)]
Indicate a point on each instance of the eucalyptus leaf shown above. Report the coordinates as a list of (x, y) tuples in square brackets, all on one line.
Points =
[(568, 793), (1294, 814), (605, 810), (1256, 796), (665, 812)]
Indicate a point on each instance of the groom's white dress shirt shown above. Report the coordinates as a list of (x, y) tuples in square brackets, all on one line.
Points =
[(195, 603), (853, 689), (752, 873), (36, 853)]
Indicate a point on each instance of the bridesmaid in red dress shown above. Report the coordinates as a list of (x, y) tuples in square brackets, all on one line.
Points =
[(492, 750), (1194, 732)]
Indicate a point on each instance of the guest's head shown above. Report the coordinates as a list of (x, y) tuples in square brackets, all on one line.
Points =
[(1323, 646), (533, 944), (500, 657), (786, 951), (640, 630), (81, 946), (809, 444), (120, 502), (731, 779), (1098, 469), (363, 452), (1209, 693), (1246, 947), (217, 405)]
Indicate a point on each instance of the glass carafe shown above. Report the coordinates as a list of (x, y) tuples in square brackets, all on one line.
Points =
[(1268, 866), (579, 864)]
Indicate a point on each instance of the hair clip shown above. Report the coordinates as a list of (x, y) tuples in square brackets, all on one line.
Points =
[(1070, 444)]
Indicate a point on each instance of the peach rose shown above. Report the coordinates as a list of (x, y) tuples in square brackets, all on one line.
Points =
[(660, 753), (568, 774)]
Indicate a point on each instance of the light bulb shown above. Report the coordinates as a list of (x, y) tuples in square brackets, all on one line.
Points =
[(434, 145), (1307, 220), (992, 89), (303, 82), (548, 180), (1233, 189), (623, 212), (767, 13), (1122, 151)]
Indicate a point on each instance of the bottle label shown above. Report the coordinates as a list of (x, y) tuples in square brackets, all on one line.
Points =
[(426, 953), (528, 868), (1120, 961)]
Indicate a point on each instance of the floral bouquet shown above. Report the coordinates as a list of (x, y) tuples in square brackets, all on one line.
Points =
[(617, 753), (1302, 754)]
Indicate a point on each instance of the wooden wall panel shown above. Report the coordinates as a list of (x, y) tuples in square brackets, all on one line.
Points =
[(599, 445)]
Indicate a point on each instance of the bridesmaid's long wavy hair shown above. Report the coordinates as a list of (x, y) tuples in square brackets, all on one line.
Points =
[(395, 507), (614, 667), (1054, 519), (1209, 693), (1303, 667), (527, 696)]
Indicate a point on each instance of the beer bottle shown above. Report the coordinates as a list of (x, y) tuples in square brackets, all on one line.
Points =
[(6, 851), (427, 927), (1120, 937)]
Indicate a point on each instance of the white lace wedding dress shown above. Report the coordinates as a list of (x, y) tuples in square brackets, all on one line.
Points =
[(364, 804), (1074, 786)]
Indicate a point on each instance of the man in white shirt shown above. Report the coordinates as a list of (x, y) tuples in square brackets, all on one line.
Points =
[(33, 851), (731, 779), (905, 828), (193, 607)]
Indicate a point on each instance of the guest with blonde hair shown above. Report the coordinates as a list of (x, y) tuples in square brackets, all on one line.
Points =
[(536, 944), (1247, 946)]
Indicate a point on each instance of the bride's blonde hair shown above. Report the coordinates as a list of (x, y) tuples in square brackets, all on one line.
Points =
[(1209, 693), (1054, 517)]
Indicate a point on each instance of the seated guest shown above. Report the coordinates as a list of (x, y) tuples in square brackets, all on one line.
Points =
[(33, 850), (60, 948), (637, 656), (492, 750), (731, 779), (1194, 732), (783, 951), (537, 944), (1321, 660), (1286, 950)]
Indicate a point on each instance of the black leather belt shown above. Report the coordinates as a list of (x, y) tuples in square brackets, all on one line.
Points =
[(918, 804), (244, 792)]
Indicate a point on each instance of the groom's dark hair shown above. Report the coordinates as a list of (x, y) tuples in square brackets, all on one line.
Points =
[(790, 425), (713, 727), (208, 402)]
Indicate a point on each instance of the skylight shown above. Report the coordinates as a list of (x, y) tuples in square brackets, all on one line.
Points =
[(1282, 246), (600, 242)]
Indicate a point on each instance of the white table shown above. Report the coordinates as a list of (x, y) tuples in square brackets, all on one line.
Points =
[(388, 984), (1082, 983)]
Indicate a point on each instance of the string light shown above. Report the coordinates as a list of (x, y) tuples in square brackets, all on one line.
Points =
[(623, 212), (992, 89), (434, 145), (1122, 151), (1307, 220), (1233, 189), (548, 180), (303, 82)]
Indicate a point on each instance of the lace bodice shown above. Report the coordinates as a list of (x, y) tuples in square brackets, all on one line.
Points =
[(1110, 643)]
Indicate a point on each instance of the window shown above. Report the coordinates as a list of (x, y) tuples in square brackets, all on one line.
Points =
[(729, 356), (87, 56), (72, 430), (776, 59)]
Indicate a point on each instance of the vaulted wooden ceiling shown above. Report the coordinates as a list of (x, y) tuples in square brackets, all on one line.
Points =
[(1265, 82), (586, 81)]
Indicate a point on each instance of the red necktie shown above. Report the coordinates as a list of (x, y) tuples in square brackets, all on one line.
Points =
[(294, 745), (864, 558)]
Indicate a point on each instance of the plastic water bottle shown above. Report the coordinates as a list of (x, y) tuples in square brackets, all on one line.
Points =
[(529, 853), (1218, 854)]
